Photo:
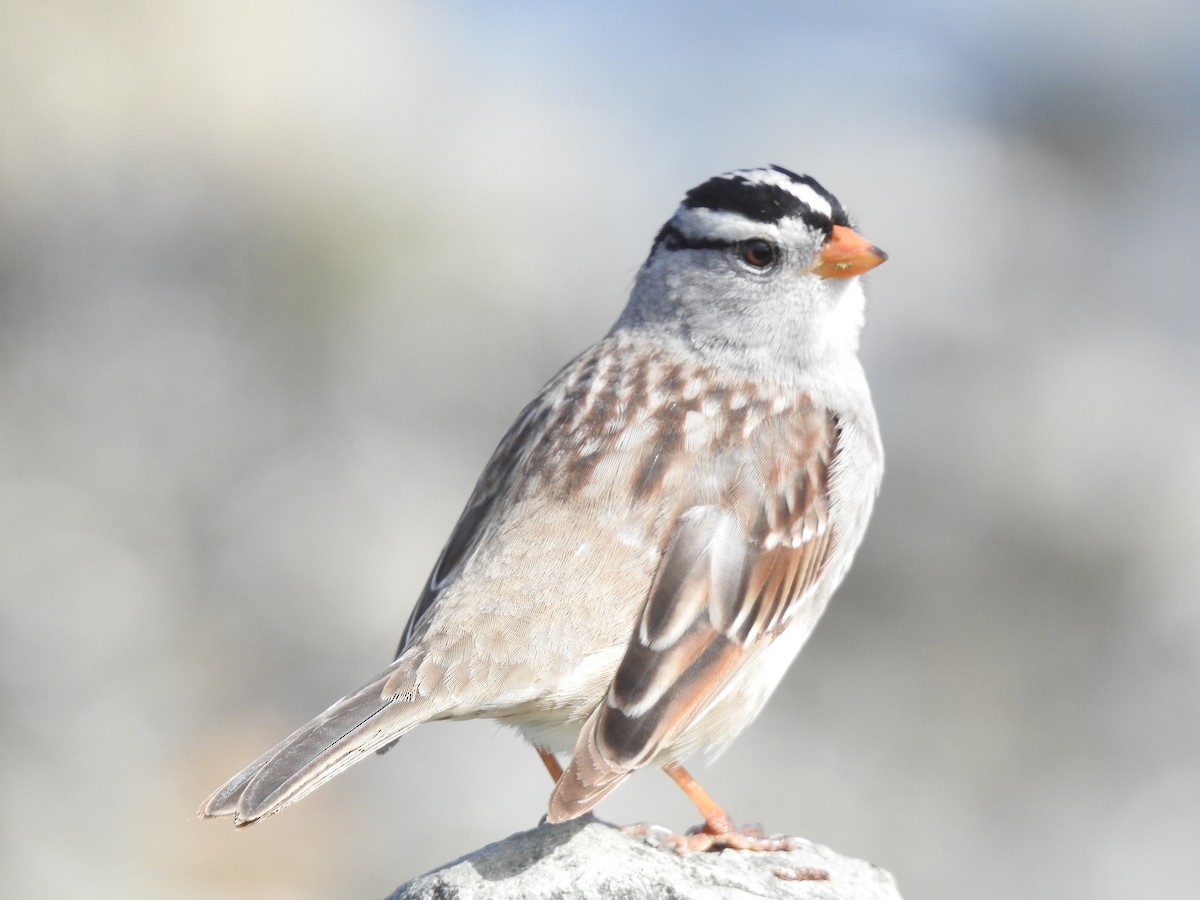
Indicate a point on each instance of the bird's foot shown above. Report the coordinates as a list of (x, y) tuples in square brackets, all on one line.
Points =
[(705, 838)]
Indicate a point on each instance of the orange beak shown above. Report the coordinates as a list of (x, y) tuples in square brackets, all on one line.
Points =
[(847, 254)]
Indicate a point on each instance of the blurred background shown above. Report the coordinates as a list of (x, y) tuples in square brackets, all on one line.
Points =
[(275, 277)]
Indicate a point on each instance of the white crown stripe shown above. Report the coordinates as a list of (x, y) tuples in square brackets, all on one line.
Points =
[(811, 199)]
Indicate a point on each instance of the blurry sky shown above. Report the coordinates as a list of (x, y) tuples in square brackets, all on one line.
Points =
[(275, 276)]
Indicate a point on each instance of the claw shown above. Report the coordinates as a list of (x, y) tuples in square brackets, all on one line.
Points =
[(703, 839)]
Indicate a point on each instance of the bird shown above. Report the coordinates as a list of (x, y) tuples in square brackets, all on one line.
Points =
[(658, 532)]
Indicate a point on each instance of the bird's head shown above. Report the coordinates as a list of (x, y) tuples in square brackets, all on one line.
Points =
[(757, 266)]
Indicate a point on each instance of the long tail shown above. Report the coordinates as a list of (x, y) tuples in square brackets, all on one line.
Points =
[(359, 723)]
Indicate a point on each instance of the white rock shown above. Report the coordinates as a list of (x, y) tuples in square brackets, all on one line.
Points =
[(591, 859)]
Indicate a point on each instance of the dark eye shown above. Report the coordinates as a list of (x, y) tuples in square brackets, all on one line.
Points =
[(757, 252)]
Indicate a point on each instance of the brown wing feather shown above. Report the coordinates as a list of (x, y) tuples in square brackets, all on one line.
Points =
[(722, 586)]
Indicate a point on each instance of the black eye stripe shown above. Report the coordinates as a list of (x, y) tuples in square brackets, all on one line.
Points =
[(671, 238)]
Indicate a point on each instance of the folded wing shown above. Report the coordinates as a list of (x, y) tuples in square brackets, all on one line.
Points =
[(727, 582)]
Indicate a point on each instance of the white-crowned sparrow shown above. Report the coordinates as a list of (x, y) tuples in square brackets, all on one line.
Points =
[(658, 532)]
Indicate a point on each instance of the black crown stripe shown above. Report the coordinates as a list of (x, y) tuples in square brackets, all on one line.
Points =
[(754, 200), (762, 202)]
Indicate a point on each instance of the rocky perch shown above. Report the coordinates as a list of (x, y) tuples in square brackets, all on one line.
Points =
[(587, 858)]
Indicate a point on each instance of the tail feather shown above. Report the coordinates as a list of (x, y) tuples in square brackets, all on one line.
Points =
[(359, 723), (588, 778)]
